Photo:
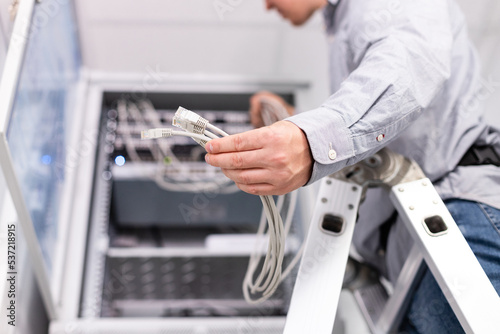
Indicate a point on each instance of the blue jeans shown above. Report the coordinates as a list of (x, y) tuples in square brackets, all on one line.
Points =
[(429, 312)]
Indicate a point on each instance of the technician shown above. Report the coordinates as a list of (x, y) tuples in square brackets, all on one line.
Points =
[(404, 75)]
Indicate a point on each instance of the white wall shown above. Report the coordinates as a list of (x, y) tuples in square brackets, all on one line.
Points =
[(483, 18), (190, 37)]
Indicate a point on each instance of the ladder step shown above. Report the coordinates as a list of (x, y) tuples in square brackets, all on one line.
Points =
[(372, 300)]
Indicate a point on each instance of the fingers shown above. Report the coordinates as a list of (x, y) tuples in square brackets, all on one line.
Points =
[(246, 141), (237, 160), (271, 160), (260, 189), (263, 189), (248, 176)]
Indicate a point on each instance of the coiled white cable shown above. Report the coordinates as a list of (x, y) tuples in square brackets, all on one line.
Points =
[(260, 288), (271, 112)]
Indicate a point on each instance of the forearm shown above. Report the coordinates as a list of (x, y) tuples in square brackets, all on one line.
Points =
[(373, 106)]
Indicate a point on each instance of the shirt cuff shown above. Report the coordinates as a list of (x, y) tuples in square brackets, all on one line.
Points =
[(329, 139)]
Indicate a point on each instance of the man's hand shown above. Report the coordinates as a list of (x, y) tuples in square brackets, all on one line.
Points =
[(272, 160), (256, 106)]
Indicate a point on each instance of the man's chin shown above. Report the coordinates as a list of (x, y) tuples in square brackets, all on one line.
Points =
[(297, 21)]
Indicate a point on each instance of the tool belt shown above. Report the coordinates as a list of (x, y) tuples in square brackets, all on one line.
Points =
[(480, 155)]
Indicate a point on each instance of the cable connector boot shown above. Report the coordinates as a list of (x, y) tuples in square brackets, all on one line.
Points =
[(156, 133), (190, 122)]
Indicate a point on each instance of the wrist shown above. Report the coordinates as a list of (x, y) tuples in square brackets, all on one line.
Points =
[(299, 151)]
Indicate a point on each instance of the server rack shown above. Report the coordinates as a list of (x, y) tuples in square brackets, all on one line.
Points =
[(114, 253), (171, 227)]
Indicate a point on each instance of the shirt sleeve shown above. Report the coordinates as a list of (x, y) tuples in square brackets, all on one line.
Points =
[(403, 65)]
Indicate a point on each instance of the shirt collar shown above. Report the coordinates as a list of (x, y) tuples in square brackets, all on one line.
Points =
[(329, 13)]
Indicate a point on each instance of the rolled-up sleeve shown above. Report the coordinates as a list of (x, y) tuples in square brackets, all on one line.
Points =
[(401, 68)]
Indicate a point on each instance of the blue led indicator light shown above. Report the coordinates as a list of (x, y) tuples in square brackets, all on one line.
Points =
[(120, 160)]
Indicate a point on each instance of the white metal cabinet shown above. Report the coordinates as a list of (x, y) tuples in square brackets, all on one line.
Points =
[(36, 90), (50, 123)]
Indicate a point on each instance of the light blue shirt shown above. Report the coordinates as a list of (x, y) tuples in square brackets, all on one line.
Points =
[(403, 74)]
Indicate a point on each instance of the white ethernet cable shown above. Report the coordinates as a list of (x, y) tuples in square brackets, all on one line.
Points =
[(165, 133), (191, 184), (142, 114), (122, 117), (266, 283), (272, 110), (192, 123)]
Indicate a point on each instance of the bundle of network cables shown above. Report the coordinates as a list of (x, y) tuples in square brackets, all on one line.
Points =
[(142, 114), (256, 287)]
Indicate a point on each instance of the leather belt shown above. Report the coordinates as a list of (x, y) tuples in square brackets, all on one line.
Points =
[(480, 155)]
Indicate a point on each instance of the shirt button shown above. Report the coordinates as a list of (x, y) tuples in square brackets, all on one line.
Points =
[(332, 154), (380, 137)]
